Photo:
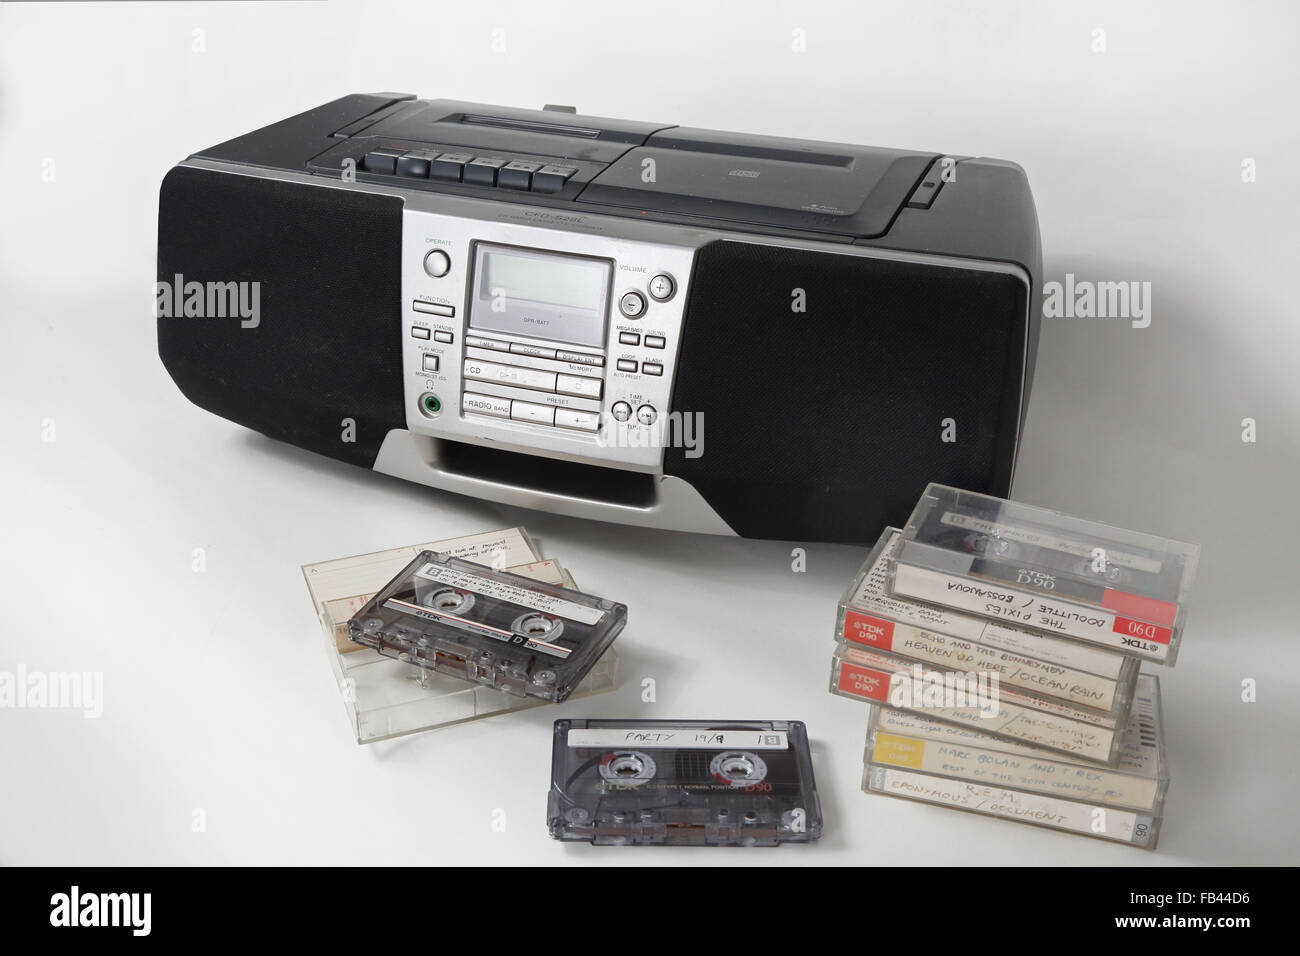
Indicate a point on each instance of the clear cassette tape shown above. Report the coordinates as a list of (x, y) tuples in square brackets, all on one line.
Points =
[(1138, 782), (1044, 570), (491, 627), (1058, 669), (385, 698), (683, 782), (970, 700)]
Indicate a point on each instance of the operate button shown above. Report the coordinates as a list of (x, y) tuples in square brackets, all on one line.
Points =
[(437, 263), (646, 414), (582, 358), (632, 304), (479, 342), (510, 375), (449, 166), (582, 421), (551, 179), (662, 287), (483, 170), (577, 385), (654, 341), (536, 351), (485, 405), (627, 365), (517, 175), (621, 411), (629, 338), (415, 163), (651, 368), (530, 412)]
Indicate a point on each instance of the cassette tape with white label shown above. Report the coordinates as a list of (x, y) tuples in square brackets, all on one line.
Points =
[(491, 627)]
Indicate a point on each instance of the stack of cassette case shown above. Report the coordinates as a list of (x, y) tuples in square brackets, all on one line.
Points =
[(999, 646)]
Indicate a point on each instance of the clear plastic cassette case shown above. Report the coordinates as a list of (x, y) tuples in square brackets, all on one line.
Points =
[(683, 782), (1057, 669), (1044, 570), (490, 627)]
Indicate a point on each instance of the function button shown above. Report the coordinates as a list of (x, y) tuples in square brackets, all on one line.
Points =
[(646, 414), (581, 357), (415, 163), (551, 179), (430, 363), (448, 166), (582, 421), (626, 365), (629, 338), (434, 308), (445, 337), (510, 375), (517, 175), (632, 304), (530, 412), (662, 287), (654, 341), (651, 368), (578, 385), (485, 405), (621, 411), (537, 351), (419, 333), (483, 170), (478, 342), (437, 263), (382, 160)]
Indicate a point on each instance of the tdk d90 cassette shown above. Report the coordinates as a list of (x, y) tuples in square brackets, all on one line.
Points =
[(684, 782), (1044, 570), (492, 627)]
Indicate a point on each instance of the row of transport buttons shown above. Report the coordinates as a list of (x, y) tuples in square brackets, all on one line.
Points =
[(634, 338), (468, 168), (647, 368), (519, 411), (534, 378), (537, 351)]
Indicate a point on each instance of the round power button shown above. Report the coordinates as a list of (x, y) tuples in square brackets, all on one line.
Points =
[(621, 411), (437, 263)]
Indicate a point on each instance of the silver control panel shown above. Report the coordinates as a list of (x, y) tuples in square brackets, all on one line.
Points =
[(541, 340)]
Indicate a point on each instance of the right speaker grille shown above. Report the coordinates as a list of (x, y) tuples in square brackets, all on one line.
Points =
[(828, 385)]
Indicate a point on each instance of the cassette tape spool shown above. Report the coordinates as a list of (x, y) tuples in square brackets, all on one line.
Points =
[(692, 783), (1045, 570), (495, 628)]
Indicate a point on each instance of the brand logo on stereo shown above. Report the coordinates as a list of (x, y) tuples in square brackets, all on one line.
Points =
[(1084, 299), (209, 300), (129, 910), (943, 690), (675, 430)]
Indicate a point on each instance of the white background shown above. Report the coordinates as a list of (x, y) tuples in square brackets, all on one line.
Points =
[(217, 694)]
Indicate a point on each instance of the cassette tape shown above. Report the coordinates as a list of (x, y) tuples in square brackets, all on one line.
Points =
[(683, 782), (1138, 781), (1047, 571), (1060, 669), (495, 628), (973, 701)]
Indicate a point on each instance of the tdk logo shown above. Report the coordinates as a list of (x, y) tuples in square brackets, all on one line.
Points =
[(102, 909)]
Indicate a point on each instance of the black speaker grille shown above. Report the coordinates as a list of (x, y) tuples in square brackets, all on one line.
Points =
[(827, 424), (327, 346)]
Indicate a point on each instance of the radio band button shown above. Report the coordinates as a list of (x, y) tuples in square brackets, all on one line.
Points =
[(485, 405)]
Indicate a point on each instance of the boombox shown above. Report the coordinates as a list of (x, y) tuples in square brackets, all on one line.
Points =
[(635, 322)]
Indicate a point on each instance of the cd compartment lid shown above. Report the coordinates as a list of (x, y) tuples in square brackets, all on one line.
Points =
[(852, 191)]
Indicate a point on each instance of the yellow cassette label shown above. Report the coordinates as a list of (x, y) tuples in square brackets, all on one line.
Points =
[(899, 751)]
